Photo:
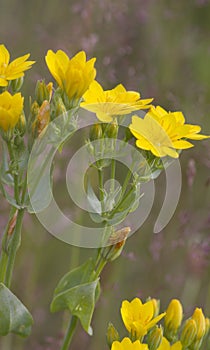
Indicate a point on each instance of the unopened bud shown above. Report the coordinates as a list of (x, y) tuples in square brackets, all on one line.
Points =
[(173, 318), (207, 326), (156, 304), (117, 242), (155, 337), (128, 134), (21, 124), (16, 84), (112, 130), (111, 335), (34, 110), (42, 119), (95, 132), (188, 333), (200, 321), (60, 108), (43, 92)]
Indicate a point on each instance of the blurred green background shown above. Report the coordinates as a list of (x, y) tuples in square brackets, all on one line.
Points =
[(162, 49)]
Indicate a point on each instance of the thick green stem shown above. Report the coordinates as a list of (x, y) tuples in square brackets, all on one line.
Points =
[(13, 247), (70, 332)]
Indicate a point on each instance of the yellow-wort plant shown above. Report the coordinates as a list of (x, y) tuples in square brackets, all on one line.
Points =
[(162, 331), (155, 137)]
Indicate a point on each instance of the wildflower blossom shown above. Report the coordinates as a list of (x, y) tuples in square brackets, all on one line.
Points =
[(200, 321), (174, 314), (109, 103), (72, 75), (126, 344), (13, 70), (11, 107), (138, 318), (165, 345), (163, 133)]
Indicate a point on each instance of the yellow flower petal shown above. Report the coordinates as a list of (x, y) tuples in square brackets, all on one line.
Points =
[(13, 70), (138, 317), (126, 344), (4, 55), (113, 102), (72, 75), (163, 133), (11, 107)]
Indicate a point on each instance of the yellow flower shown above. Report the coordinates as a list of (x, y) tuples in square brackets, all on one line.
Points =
[(200, 321), (163, 133), (72, 75), (13, 70), (138, 318), (117, 101), (165, 345), (10, 110), (174, 314), (126, 344)]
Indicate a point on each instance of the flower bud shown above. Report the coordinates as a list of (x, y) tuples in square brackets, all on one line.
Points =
[(156, 304), (117, 241), (200, 321), (173, 318), (155, 337), (16, 84), (112, 334), (207, 326), (43, 92), (60, 108), (43, 116), (112, 130), (21, 125), (42, 119), (34, 110), (188, 333), (128, 135), (95, 132)]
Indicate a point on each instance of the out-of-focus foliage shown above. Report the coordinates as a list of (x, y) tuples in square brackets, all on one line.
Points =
[(162, 49)]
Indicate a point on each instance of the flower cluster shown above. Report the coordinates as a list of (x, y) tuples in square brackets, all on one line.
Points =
[(157, 134), (160, 132), (141, 320)]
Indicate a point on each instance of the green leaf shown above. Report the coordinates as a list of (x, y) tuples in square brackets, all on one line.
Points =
[(6, 177), (78, 291), (14, 317), (98, 219), (93, 200), (9, 198), (80, 300)]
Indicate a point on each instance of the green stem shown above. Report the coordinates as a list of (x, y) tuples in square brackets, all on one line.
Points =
[(15, 174), (101, 186), (113, 170), (4, 253), (70, 332), (13, 247), (126, 183)]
